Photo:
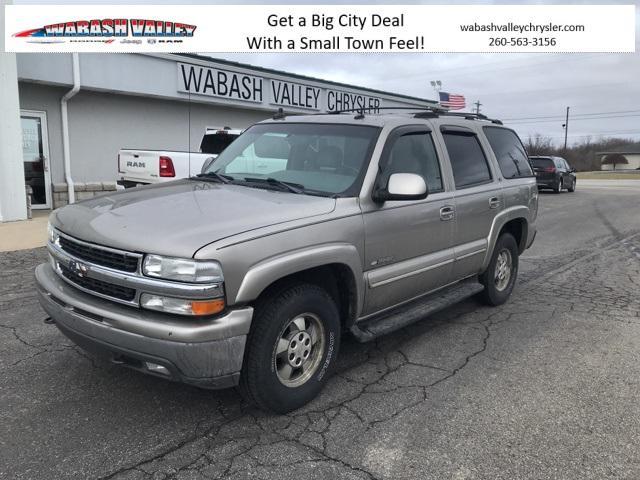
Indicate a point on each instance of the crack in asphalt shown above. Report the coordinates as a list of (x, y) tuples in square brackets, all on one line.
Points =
[(305, 436)]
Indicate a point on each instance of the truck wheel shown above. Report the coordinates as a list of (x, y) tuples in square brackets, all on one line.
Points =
[(500, 276), (291, 349)]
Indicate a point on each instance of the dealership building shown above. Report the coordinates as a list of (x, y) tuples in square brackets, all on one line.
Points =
[(78, 110)]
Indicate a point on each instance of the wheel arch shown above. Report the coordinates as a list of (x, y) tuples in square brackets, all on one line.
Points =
[(513, 220), (335, 268)]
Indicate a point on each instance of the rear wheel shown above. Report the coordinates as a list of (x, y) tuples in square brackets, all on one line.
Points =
[(500, 276), (558, 186), (291, 348)]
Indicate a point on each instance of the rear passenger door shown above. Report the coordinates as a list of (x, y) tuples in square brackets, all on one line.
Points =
[(518, 187), (477, 198)]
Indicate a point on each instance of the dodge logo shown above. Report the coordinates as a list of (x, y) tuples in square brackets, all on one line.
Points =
[(78, 268)]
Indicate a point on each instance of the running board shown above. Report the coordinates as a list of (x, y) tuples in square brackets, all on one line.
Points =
[(400, 317)]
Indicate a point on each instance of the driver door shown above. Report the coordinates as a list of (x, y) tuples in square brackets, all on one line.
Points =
[(408, 243)]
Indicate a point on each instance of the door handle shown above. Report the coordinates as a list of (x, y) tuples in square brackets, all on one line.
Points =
[(494, 202), (447, 213)]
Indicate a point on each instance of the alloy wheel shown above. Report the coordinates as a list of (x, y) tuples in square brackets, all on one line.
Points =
[(502, 274), (299, 350)]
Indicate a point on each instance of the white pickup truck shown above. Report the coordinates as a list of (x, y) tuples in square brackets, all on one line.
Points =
[(143, 167)]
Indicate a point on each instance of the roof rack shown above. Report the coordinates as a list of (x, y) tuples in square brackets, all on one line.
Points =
[(426, 111), (473, 116)]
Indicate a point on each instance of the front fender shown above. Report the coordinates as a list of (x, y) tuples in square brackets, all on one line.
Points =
[(266, 272)]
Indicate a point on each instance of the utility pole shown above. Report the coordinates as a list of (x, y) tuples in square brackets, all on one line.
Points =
[(566, 129), (478, 105)]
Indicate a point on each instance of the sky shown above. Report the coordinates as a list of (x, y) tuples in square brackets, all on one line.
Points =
[(529, 92)]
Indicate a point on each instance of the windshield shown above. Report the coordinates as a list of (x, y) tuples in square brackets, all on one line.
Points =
[(329, 159)]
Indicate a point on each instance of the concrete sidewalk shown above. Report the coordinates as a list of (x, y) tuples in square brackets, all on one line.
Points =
[(24, 234)]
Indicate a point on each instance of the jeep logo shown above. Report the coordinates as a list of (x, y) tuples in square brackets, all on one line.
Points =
[(135, 164)]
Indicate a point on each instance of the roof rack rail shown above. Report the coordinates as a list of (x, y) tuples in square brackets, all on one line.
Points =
[(361, 110), (473, 116), (427, 111)]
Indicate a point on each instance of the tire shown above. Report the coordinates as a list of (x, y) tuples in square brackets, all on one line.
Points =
[(558, 187), (276, 343), (572, 188), (496, 291)]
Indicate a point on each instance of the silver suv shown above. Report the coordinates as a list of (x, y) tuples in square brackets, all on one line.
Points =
[(303, 229)]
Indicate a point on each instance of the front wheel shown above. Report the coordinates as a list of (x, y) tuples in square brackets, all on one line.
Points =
[(500, 276), (572, 188), (291, 349)]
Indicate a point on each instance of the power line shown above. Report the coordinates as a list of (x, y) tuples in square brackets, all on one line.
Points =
[(599, 134), (572, 119), (572, 116)]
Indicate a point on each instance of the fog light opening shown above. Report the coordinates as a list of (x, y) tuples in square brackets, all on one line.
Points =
[(155, 368)]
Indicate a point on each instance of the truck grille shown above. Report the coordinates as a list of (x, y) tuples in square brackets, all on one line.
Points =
[(99, 256), (98, 286)]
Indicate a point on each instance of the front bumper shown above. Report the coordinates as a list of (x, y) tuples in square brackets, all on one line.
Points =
[(207, 353)]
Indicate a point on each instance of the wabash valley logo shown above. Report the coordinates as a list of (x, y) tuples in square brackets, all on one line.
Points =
[(111, 27)]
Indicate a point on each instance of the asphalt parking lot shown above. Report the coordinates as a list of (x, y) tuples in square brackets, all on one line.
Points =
[(544, 387)]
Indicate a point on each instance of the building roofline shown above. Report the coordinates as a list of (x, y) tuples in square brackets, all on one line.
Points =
[(299, 77)]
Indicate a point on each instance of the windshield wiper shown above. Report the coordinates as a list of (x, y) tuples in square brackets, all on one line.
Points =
[(215, 175), (289, 186)]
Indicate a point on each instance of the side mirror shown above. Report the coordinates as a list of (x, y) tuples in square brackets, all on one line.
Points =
[(402, 186), (207, 163)]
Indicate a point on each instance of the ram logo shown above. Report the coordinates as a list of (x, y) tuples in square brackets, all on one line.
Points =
[(135, 164)]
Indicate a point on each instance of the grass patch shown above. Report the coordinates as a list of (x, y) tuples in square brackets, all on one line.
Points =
[(633, 175)]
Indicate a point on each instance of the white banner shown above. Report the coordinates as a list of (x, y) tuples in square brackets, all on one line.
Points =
[(320, 28)]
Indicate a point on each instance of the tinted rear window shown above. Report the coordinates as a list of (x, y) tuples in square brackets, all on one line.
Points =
[(509, 152), (467, 160), (216, 142), (541, 162)]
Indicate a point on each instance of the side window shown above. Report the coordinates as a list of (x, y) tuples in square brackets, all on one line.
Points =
[(468, 162), (509, 152), (414, 153)]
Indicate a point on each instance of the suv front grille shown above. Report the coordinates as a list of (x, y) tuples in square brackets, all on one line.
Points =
[(99, 256), (98, 286)]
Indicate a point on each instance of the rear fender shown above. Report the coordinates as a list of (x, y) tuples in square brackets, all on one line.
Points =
[(499, 221)]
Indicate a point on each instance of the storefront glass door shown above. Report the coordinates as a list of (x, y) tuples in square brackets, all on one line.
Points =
[(35, 155)]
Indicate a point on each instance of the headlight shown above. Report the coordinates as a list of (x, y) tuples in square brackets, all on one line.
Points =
[(52, 236), (182, 269)]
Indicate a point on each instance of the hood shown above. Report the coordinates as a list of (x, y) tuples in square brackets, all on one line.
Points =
[(178, 218)]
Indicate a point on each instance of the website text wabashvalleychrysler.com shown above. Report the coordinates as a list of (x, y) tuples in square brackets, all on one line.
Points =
[(527, 34)]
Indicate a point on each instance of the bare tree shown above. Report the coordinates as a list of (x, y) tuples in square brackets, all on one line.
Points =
[(615, 159)]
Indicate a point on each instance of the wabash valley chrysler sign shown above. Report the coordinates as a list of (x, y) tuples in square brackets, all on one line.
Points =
[(110, 28), (215, 82)]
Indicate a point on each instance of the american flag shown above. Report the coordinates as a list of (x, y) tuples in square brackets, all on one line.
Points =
[(452, 101)]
